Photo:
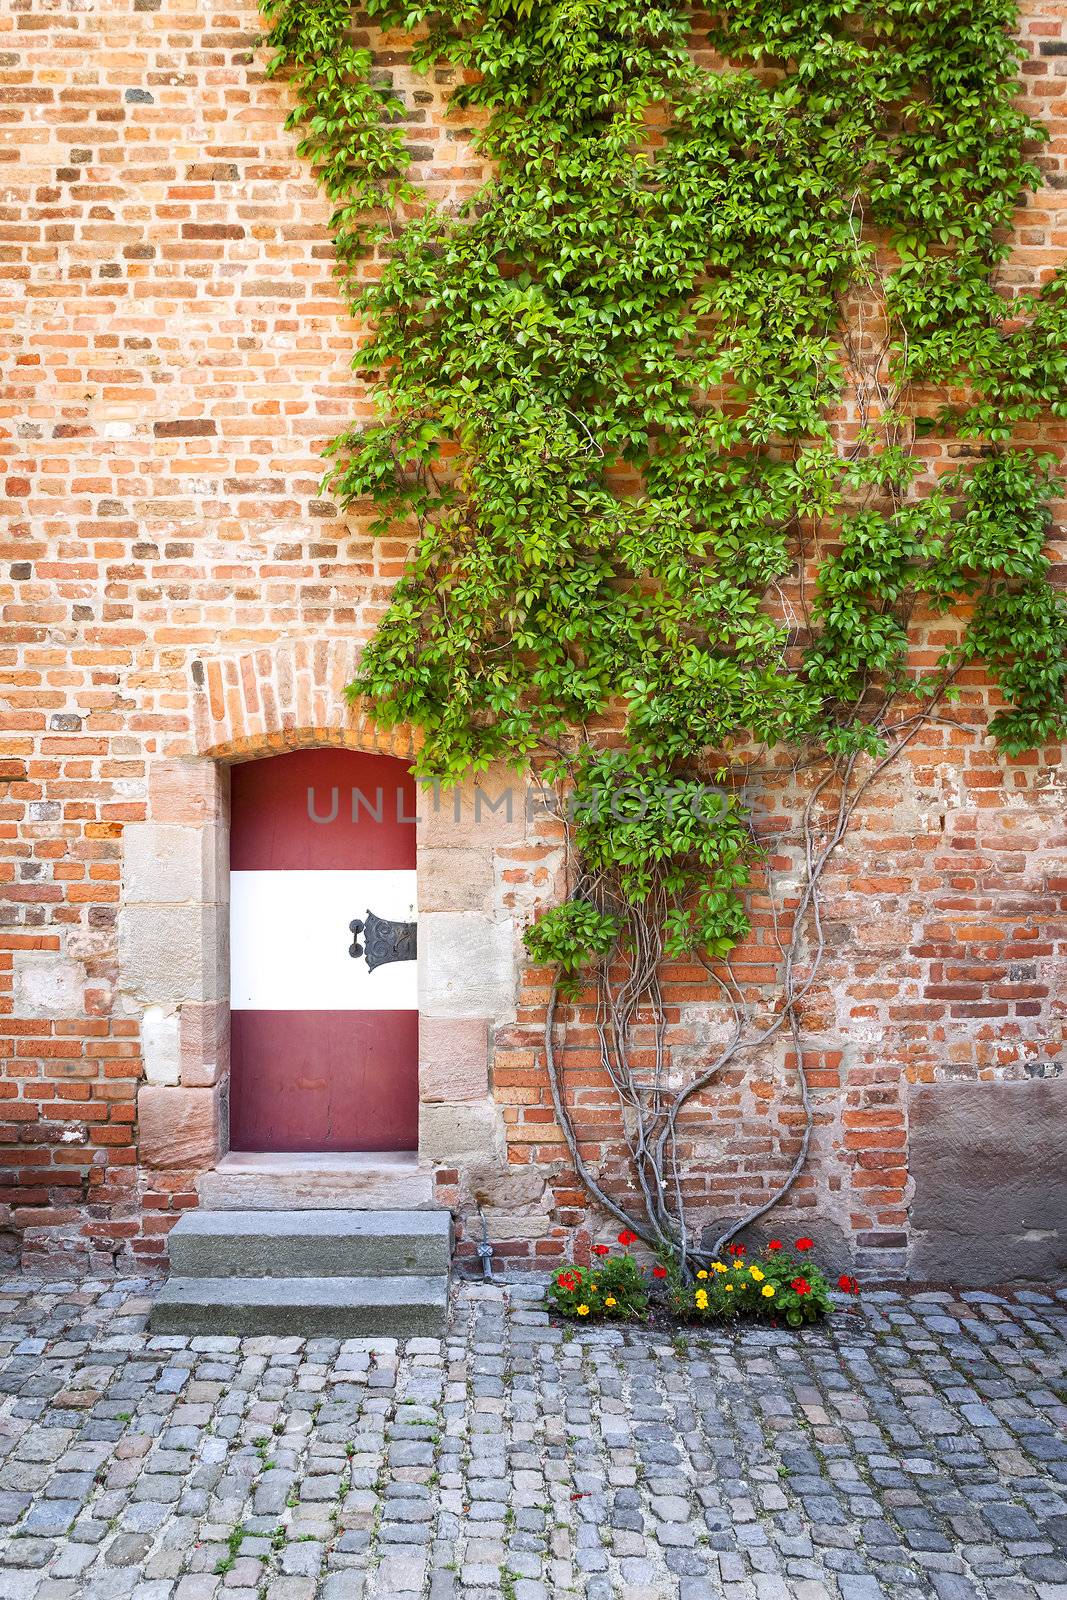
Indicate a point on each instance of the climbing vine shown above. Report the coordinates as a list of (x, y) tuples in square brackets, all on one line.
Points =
[(654, 403)]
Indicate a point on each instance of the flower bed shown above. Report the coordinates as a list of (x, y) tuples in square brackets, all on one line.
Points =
[(613, 1289), (782, 1283)]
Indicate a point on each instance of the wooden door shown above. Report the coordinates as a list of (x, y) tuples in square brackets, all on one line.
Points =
[(324, 1050)]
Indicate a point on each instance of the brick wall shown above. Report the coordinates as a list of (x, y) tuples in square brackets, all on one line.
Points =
[(173, 587)]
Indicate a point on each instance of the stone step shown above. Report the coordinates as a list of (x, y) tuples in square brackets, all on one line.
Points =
[(310, 1244), (268, 1181), (307, 1308)]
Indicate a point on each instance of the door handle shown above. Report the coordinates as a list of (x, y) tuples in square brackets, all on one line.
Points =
[(384, 941)]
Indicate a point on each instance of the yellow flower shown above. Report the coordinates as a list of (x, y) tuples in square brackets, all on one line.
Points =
[(768, 1291), (757, 1274), (739, 1266), (702, 1273), (610, 1300), (583, 1311), (702, 1299), (729, 1288), (719, 1266)]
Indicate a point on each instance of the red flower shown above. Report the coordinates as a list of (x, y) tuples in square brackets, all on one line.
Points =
[(659, 1272), (567, 1280), (735, 1249), (805, 1244), (601, 1250), (774, 1244), (801, 1286), (849, 1285), (626, 1237)]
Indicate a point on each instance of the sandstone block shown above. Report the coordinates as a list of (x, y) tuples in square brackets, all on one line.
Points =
[(512, 1187), (455, 880), (466, 965), (204, 1034), (461, 1133), (481, 812), (192, 792), (453, 1058), (179, 1127), (166, 863), (987, 1161), (517, 1225), (159, 1045), (171, 953), (48, 985)]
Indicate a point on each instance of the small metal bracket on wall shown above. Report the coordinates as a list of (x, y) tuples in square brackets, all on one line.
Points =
[(485, 1249)]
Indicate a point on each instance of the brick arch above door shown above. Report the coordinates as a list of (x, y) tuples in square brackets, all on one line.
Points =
[(285, 696)]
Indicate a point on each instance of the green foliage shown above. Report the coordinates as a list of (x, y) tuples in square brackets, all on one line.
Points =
[(650, 831), (606, 397), (570, 936), (981, 533), (358, 155)]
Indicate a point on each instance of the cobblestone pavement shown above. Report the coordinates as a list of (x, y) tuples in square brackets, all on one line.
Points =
[(915, 1448)]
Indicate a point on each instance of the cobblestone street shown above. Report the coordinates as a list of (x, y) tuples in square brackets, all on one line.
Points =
[(917, 1447)]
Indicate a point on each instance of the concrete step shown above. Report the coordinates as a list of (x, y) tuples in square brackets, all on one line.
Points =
[(307, 1308), (267, 1181), (310, 1244)]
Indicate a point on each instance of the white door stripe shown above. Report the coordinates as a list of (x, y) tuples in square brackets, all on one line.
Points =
[(289, 941)]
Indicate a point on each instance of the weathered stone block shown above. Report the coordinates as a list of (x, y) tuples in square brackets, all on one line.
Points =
[(204, 1033), (179, 1127), (159, 1045), (517, 1225), (48, 985), (191, 792), (453, 1058), (485, 811), (170, 953), (455, 880), (513, 1186), (466, 965), (459, 1133), (988, 1162), (164, 863)]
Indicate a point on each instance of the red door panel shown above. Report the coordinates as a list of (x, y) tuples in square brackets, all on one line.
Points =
[(324, 1080), (322, 808)]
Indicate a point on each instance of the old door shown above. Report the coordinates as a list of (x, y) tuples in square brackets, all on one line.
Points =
[(324, 1044)]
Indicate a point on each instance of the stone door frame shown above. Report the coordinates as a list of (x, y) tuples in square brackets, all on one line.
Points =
[(173, 957)]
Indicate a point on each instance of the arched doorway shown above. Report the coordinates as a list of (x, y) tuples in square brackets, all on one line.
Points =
[(324, 1022)]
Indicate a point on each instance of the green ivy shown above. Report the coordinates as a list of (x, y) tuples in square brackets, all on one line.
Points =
[(348, 117), (608, 391)]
